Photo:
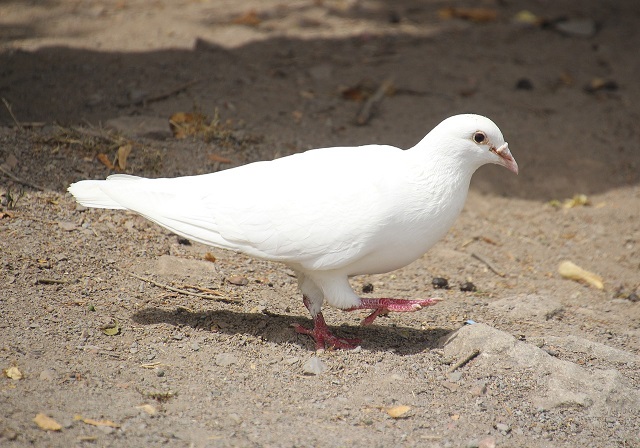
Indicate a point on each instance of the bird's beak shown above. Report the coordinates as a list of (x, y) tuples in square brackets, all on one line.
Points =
[(505, 158)]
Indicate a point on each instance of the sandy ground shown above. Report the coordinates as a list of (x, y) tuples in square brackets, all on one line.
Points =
[(550, 362)]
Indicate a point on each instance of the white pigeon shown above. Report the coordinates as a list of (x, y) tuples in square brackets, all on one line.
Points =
[(327, 213)]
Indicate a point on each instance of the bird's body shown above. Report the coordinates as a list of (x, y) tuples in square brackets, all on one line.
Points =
[(327, 213)]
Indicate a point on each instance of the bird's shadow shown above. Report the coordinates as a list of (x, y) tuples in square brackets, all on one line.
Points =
[(277, 328)]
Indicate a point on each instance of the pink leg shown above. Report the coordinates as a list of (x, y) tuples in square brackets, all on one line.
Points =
[(384, 305), (321, 334)]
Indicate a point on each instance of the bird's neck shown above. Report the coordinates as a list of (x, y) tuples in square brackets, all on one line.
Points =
[(444, 174)]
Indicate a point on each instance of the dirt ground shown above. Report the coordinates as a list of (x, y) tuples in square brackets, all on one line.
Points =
[(92, 336)]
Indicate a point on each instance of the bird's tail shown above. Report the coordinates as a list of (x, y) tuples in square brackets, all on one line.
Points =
[(91, 193)]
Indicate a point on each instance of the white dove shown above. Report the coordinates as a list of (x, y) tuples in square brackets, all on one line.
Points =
[(327, 213)]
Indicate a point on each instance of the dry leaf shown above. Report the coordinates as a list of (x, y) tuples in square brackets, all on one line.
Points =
[(527, 18), (398, 411), (210, 257), (219, 159), (102, 157), (597, 84), (572, 271), (90, 421), (478, 15), (577, 200), (47, 423), (249, 18), (148, 409), (13, 372), (360, 92), (183, 124), (121, 156), (111, 329), (297, 116), (566, 79)]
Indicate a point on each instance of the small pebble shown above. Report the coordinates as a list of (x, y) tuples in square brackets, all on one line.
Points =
[(503, 428), (67, 226), (238, 280), (184, 241), (440, 283), (314, 366), (367, 288), (633, 297), (524, 84), (160, 373), (455, 376), (105, 429), (468, 287), (47, 375), (178, 336), (487, 442), (194, 346), (226, 359)]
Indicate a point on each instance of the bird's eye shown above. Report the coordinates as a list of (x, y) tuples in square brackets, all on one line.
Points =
[(480, 137)]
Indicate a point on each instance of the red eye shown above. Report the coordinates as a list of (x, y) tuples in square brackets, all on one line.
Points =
[(480, 137)]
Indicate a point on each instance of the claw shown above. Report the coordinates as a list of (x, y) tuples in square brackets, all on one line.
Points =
[(385, 305)]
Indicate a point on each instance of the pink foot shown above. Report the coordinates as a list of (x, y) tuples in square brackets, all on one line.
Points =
[(384, 306), (321, 334), (323, 337)]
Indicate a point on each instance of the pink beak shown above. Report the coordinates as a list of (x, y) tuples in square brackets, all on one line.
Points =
[(506, 159)]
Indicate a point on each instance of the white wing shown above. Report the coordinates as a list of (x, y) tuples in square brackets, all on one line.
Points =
[(318, 209)]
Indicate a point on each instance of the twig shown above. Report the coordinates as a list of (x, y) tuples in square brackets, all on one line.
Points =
[(489, 265), (91, 132), (178, 290), (21, 181), (366, 112), (464, 360), (161, 96), (52, 281), (15, 120), (201, 289)]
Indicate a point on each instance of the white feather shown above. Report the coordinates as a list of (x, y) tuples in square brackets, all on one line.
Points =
[(327, 213)]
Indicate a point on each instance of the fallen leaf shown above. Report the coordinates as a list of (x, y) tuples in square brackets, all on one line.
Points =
[(297, 116), (398, 411), (566, 79), (219, 159), (13, 372), (598, 84), (183, 124), (572, 271), (102, 157), (210, 257), (121, 156), (525, 17), (576, 201), (359, 92), (47, 423), (148, 409), (90, 421), (249, 18), (111, 329), (477, 15)]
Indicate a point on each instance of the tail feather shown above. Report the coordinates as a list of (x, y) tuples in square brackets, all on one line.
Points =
[(90, 194)]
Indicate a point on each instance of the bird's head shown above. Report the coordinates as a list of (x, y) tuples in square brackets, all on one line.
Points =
[(476, 139)]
